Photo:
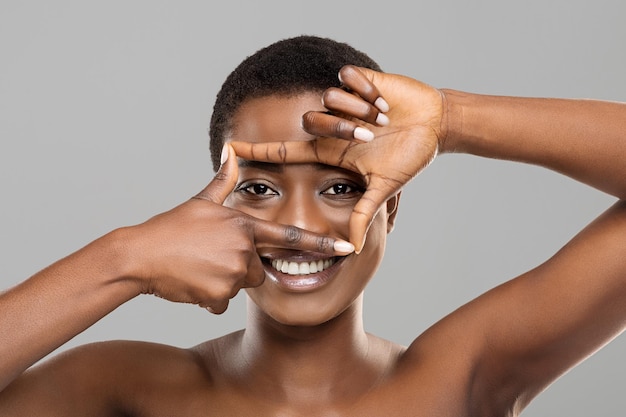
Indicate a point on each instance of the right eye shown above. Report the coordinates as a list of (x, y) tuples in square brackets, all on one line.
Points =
[(257, 189)]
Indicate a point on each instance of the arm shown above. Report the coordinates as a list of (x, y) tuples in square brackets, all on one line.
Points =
[(200, 252), (45, 311), (584, 139), (541, 324), (525, 333)]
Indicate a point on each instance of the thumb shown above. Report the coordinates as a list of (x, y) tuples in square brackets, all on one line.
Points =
[(376, 194), (225, 179)]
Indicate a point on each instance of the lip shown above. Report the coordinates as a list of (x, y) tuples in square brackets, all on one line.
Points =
[(301, 283)]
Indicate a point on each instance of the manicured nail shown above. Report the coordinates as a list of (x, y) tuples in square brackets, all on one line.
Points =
[(357, 251), (363, 134), (343, 247), (381, 104), (382, 119), (224, 156)]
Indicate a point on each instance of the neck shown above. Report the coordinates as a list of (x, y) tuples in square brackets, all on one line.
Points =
[(309, 363)]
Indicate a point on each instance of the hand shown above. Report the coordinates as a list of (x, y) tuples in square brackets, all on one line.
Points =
[(203, 253), (406, 118)]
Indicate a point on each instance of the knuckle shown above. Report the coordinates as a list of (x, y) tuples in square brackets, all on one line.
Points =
[(220, 176), (240, 221), (324, 244), (293, 235), (224, 291), (370, 92), (238, 267), (371, 113), (343, 128), (207, 195), (255, 280)]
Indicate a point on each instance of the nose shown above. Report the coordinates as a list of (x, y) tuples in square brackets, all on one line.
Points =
[(302, 209)]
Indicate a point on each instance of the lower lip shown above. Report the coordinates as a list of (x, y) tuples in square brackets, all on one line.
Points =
[(302, 283)]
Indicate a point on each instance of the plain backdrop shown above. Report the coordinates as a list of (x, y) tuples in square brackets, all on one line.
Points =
[(104, 108)]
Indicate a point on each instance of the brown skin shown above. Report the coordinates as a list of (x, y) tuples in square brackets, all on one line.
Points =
[(306, 353)]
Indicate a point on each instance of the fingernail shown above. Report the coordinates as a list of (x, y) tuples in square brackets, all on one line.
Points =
[(343, 247), (381, 104), (382, 119), (357, 251), (224, 156), (363, 134)]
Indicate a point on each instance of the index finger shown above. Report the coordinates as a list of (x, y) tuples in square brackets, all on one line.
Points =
[(274, 235), (327, 151)]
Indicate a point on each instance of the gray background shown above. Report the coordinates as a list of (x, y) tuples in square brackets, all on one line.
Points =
[(103, 115)]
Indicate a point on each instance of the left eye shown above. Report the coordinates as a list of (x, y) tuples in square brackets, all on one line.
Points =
[(258, 189), (339, 189)]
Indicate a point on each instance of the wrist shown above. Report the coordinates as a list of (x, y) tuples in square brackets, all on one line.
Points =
[(452, 121), (119, 265)]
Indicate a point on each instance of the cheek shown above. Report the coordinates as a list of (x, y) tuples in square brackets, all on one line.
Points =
[(313, 214), (263, 211), (338, 218)]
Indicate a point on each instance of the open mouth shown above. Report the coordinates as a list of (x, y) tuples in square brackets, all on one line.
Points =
[(302, 268), (301, 274)]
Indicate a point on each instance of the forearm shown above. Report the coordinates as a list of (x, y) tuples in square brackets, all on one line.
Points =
[(584, 139), (56, 304)]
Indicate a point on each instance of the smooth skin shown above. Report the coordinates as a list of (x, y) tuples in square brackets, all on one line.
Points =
[(305, 352)]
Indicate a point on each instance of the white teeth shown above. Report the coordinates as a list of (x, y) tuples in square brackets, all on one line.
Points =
[(293, 268), (301, 268)]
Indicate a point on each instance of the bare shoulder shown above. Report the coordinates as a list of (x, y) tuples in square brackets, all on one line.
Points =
[(102, 379)]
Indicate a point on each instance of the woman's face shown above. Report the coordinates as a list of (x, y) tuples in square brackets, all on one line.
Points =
[(302, 287)]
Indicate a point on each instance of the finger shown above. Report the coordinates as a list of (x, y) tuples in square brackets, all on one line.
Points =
[(274, 235), (377, 193), (362, 81), (328, 125), (225, 179), (256, 272), (217, 307), (346, 103), (322, 150)]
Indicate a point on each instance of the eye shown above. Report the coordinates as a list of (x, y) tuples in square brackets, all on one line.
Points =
[(342, 189), (257, 189)]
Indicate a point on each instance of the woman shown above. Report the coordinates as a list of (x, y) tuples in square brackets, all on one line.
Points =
[(276, 222)]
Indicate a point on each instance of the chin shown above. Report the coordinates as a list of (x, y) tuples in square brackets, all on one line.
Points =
[(300, 311)]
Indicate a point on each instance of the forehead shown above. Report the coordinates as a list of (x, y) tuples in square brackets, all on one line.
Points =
[(278, 118), (274, 118)]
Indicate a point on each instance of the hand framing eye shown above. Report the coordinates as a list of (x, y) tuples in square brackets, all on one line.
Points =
[(385, 127)]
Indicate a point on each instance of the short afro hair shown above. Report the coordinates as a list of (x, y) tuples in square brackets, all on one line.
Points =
[(287, 67)]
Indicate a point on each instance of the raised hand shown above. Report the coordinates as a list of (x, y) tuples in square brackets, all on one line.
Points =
[(390, 128), (203, 253)]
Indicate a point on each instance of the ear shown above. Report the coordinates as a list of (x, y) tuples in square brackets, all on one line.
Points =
[(392, 211)]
